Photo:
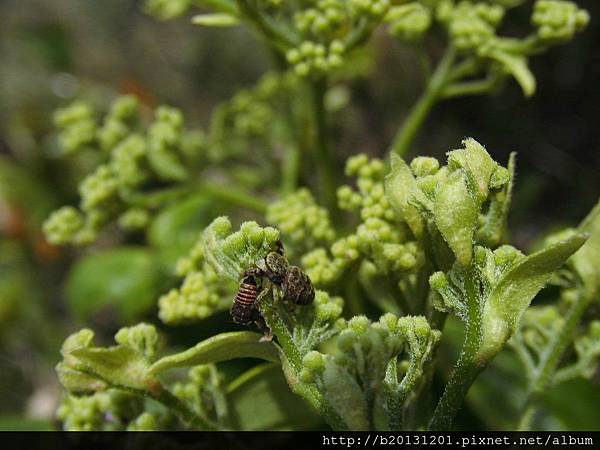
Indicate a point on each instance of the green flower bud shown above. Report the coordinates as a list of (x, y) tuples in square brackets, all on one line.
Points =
[(346, 340), (134, 219), (299, 217), (129, 161), (557, 20), (63, 225), (438, 281), (423, 166), (359, 324), (143, 338), (100, 189), (314, 361)]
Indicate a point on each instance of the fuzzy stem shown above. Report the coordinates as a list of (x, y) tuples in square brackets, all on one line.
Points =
[(324, 160), (542, 376), (468, 367), (280, 330), (416, 117)]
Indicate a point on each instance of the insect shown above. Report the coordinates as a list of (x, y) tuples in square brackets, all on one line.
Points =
[(244, 310), (295, 286)]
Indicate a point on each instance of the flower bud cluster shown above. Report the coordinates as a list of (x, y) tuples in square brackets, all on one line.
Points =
[(232, 253), (143, 338), (558, 21), (366, 349), (133, 160), (409, 22), (77, 127), (201, 294), (380, 237), (313, 58), (470, 25), (103, 411), (248, 118), (301, 220), (323, 20), (375, 9)]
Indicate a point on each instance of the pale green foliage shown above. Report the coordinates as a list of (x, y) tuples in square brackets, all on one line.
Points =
[(366, 374), (455, 202), (556, 326), (415, 241)]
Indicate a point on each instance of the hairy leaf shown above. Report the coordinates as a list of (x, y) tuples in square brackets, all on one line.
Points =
[(513, 293), (456, 215), (400, 185), (222, 347), (118, 365)]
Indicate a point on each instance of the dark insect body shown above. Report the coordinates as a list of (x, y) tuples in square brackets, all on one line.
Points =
[(297, 287), (244, 309), (295, 284)]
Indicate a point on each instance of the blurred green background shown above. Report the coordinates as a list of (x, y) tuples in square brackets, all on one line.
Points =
[(54, 52)]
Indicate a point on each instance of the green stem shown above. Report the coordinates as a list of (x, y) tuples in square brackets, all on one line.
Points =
[(413, 122), (475, 87), (282, 38), (359, 35), (542, 376), (292, 355), (324, 158), (468, 367), (280, 330), (290, 169)]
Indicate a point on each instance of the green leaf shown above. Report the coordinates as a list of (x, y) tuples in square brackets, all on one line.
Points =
[(511, 296), (400, 186), (179, 225), (222, 347), (345, 397), (215, 20), (517, 66), (126, 278), (587, 260), (478, 165), (119, 366), (260, 399), (78, 382), (455, 214)]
